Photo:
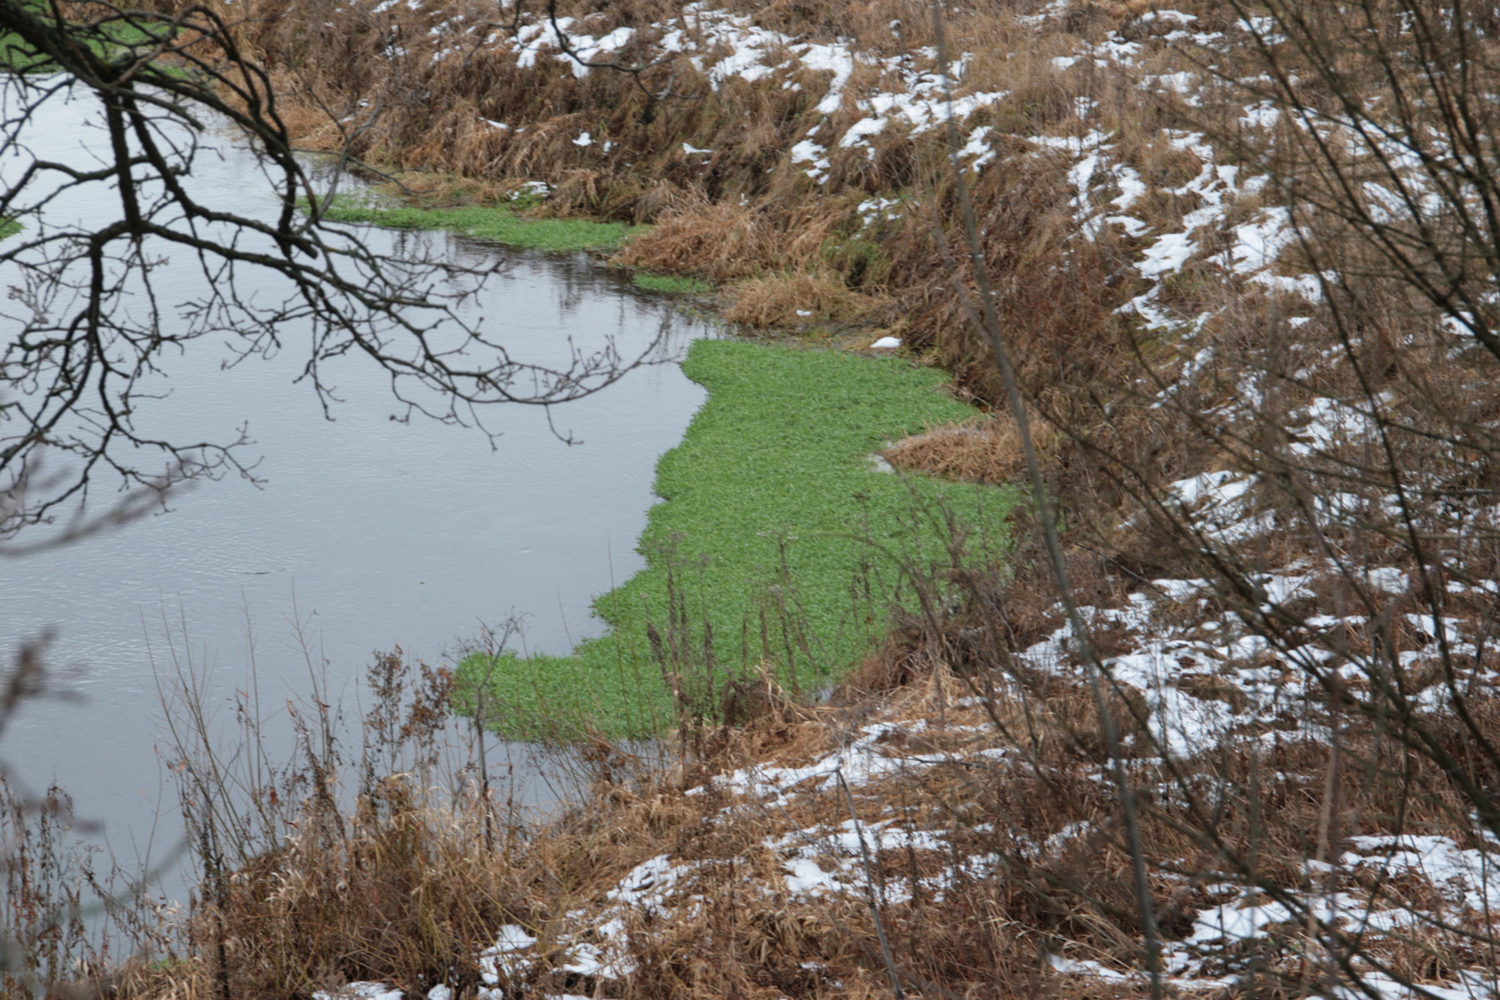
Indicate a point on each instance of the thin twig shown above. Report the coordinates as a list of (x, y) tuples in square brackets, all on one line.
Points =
[(864, 853)]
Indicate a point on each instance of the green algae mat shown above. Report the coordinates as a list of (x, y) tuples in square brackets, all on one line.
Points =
[(778, 546), (499, 223)]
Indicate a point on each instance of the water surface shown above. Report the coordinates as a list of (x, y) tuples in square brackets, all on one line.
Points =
[(368, 533)]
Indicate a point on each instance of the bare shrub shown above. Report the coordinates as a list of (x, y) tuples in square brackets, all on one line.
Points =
[(344, 860)]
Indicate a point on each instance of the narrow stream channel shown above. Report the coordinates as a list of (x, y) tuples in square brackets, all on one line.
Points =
[(367, 534)]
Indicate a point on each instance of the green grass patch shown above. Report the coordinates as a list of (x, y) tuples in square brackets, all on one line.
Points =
[(105, 40), (779, 545), (501, 223), (667, 284)]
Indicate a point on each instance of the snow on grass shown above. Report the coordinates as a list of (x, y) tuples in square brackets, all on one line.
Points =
[(911, 96), (1470, 986), (506, 956), (1258, 244), (384, 991), (859, 763), (545, 37), (830, 861), (1470, 879), (361, 991), (813, 862), (811, 154), (914, 97), (725, 46)]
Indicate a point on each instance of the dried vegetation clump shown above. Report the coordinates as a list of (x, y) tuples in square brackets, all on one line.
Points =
[(989, 451)]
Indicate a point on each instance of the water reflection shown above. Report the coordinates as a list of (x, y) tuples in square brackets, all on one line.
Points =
[(368, 532)]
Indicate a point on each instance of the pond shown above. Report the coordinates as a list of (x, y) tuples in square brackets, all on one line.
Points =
[(367, 534)]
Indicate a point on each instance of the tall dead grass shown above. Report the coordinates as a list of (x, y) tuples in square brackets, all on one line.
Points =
[(985, 452)]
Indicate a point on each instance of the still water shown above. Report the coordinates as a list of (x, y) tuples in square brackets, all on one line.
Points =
[(367, 533)]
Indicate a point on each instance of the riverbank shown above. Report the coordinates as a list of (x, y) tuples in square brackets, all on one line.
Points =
[(1246, 749), (1271, 449), (783, 537), (504, 224), (780, 543)]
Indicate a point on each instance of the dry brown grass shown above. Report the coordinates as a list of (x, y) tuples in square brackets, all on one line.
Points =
[(792, 300), (722, 243), (985, 452), (404, 895)]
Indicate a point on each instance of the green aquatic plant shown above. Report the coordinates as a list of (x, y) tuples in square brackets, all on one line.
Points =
[(778, 546), (500, 223), (670, 284), (109, 34)]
